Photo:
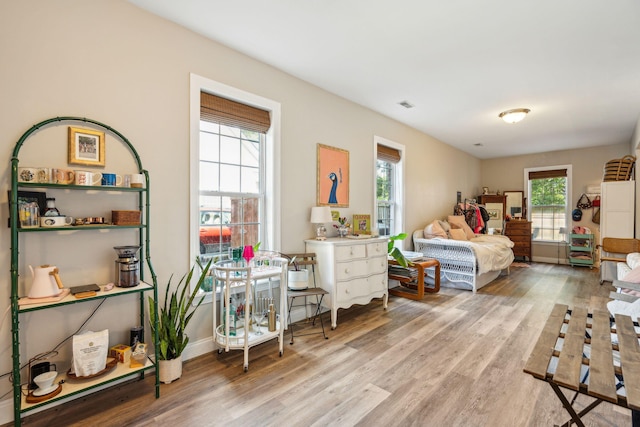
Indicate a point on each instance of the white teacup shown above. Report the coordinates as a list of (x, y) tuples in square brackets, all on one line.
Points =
[(55, 221), (88, 178), (28, 174)]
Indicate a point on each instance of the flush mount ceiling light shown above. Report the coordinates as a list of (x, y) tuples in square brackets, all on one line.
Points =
[(514, 115)]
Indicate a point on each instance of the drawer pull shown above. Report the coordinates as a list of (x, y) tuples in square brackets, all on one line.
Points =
[(347, 271)]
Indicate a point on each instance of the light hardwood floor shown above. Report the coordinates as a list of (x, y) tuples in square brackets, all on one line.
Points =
[(452, 359)]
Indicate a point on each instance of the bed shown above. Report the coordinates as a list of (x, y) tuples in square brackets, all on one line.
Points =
[(469, 264)]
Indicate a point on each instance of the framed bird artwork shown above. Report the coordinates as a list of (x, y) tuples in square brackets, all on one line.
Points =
[(333, 177)]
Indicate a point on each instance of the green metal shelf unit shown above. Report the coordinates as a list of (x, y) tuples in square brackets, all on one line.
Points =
[(581, 250), (121, 372)]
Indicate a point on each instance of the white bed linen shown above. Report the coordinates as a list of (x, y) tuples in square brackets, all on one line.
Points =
[(493, 252)]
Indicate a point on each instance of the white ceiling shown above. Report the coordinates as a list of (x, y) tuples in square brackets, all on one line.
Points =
[(574, 63)]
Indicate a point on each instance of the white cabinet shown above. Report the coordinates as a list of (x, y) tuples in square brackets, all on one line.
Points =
[(617, 218), (353, 271), (617, 209)]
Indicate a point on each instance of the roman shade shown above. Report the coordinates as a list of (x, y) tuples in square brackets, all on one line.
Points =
[(388, 154), (231, 113), (557, 173)]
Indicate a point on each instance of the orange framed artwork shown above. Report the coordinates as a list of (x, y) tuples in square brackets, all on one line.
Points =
[(333, 177)]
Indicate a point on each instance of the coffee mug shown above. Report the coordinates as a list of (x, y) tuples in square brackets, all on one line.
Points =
[(44, 175), (28, 174), (62, 176), (88, 178), (55, 221), (136, 180), (111, 179)]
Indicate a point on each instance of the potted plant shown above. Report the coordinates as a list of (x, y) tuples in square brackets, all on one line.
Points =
[(395, 252), (173, 318)]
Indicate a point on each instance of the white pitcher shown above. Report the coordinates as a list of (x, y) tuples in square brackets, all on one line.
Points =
[(44, 282)]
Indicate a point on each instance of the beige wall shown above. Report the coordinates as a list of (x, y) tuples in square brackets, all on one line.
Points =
[(507, 173), (117, 64)]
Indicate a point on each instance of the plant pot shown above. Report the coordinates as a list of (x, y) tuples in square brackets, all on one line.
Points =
[(298, 280), (170, 370)]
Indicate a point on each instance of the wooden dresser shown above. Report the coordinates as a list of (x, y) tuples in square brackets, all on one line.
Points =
[(519, 231), (353, 271)]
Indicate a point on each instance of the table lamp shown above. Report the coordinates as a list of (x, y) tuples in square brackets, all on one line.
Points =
[(319, 216)]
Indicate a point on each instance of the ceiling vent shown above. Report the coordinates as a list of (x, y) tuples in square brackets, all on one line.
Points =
[(406, 104)]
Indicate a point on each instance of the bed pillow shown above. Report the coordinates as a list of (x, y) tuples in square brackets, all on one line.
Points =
[(457, 221), (434, 230), (445, 226), (458, 234), (633, 260)]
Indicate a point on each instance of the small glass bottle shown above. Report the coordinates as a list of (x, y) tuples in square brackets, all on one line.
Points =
[(231, 315), (51, 207)]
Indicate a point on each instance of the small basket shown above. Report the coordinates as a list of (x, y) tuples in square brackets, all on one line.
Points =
[(125, 217), (619, 169)]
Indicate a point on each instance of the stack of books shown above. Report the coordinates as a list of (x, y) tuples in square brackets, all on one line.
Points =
[(396, 270)]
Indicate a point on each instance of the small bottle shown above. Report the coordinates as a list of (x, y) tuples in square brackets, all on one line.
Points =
[(230, 313), (272, 318), (51, 208)]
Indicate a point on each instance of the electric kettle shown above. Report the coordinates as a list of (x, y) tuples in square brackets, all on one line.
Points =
[(46, 282)]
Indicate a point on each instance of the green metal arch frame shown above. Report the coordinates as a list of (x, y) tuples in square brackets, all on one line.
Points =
[(44, 123), (143, 237)]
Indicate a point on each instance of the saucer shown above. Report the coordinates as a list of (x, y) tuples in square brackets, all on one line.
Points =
[(42, 392)]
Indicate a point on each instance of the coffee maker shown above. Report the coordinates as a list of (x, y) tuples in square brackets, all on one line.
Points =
[(127, 266)]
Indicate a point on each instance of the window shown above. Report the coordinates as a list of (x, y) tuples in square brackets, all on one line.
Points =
[(233, 179), (549, 201), (231, 189), (389, 187)]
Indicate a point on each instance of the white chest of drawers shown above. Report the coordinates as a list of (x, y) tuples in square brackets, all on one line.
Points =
[(353, 271)]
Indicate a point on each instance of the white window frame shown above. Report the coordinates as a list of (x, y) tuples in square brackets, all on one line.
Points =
[(271, 219), (399, 215), (568, 208)]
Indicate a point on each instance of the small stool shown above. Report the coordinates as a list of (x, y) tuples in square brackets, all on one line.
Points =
[(317, 292)]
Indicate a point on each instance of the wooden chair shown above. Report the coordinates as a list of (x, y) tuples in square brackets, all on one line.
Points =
[(614, 250)]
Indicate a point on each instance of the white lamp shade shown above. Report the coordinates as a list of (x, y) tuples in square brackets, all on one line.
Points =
[(320, 215)]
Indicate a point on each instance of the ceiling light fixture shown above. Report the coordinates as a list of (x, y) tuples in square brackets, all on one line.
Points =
[(514, 115)]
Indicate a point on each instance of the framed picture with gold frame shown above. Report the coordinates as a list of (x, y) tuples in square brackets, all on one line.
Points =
[(361, 224), (333, 177), (86, 147)]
